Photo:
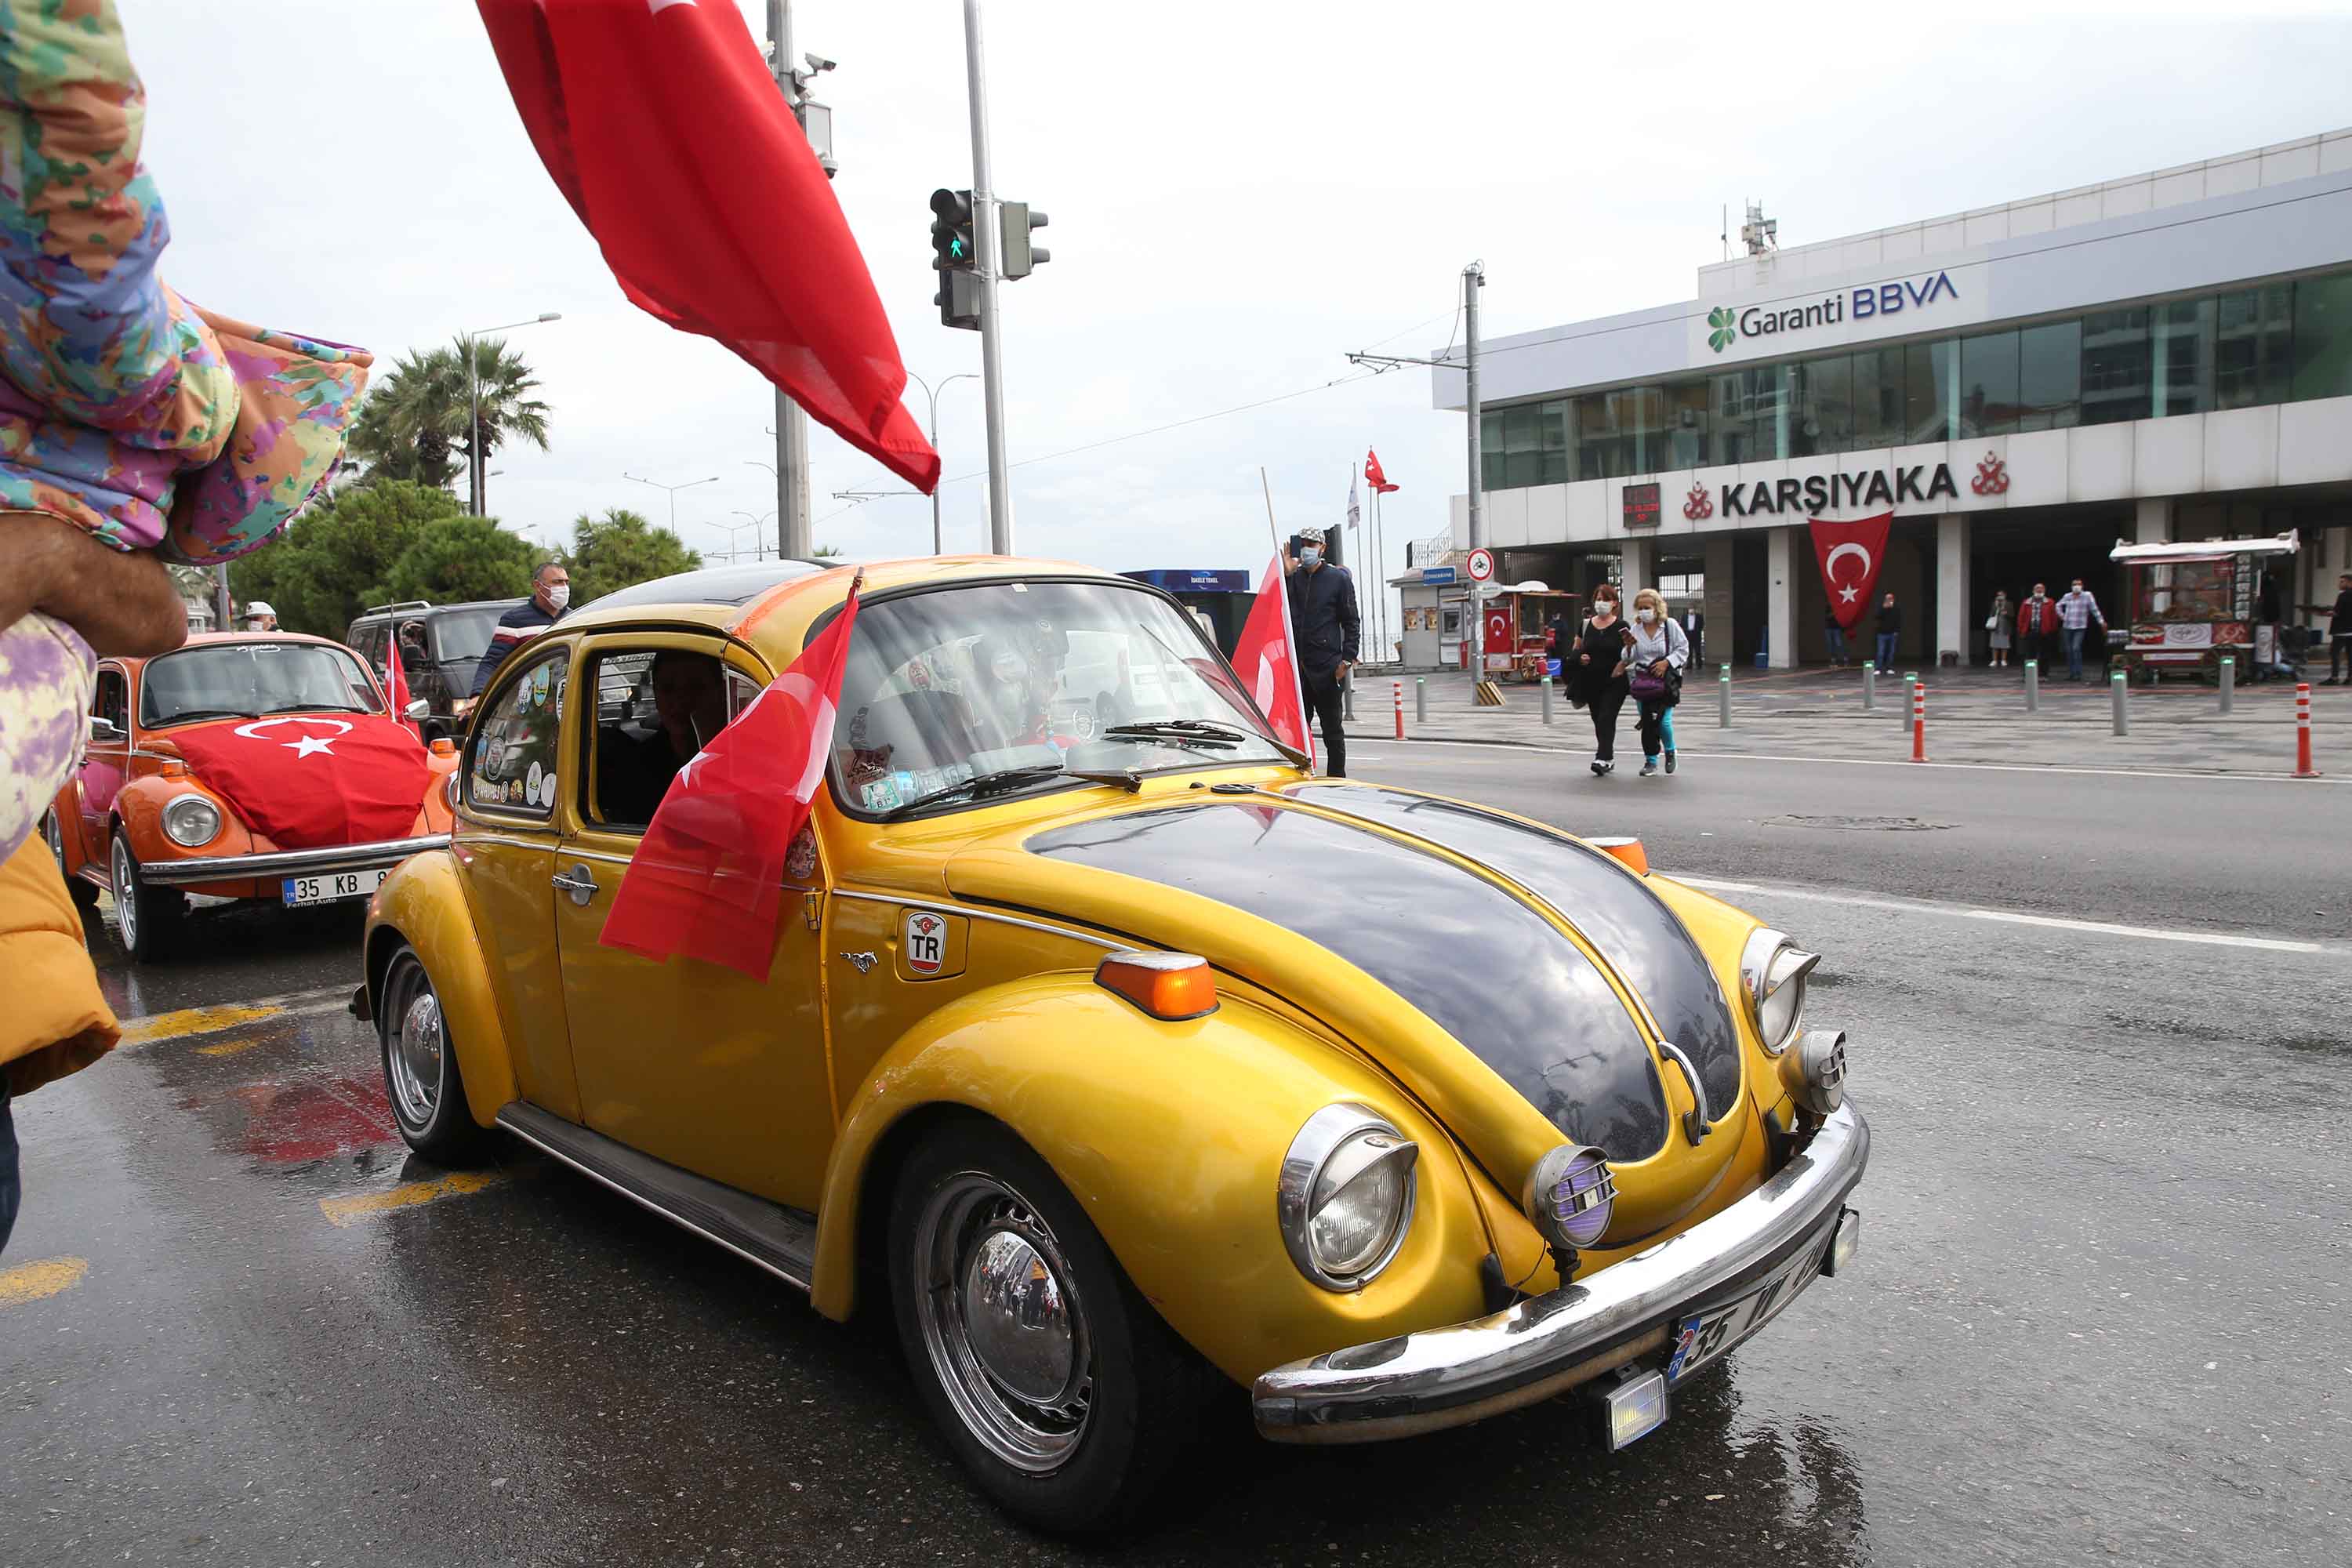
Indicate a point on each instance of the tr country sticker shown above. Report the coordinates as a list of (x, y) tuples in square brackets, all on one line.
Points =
[(924, 936)]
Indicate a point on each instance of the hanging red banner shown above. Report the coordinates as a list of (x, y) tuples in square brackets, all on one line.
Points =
[(1851, 554)]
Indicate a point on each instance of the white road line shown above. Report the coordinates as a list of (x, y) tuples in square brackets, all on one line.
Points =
[(1881, 762), (2006, 916)]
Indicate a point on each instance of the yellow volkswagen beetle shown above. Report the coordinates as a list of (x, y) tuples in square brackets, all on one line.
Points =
[(1108, 1048)]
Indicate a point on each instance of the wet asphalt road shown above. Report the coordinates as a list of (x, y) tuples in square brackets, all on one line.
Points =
[(2099, 1316)]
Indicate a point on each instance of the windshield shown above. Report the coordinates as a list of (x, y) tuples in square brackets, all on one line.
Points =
[(943, 686), (463, 634), (250, 680)]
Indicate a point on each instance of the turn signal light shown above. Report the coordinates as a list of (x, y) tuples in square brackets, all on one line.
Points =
[(442, 746), (1170, 985), (1629, 851)]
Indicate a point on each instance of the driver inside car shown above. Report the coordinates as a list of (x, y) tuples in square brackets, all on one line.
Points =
[(689, 709)]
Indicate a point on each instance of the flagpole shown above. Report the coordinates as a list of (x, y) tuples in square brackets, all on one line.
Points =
[(1271, 527), (1379, 576)]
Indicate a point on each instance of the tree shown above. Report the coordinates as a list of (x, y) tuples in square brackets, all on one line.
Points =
[(825, 553), (337, 557), (417, 423), (620, 547), (461, 558)]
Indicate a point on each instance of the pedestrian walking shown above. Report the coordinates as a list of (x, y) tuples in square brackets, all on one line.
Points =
[(1600, 674), (1694, 629), (1997, 628), (2037, 623), (2077, 611), (2340, 632), (1656, 656), (1890, 631), (1323, 619), (1835, 636)]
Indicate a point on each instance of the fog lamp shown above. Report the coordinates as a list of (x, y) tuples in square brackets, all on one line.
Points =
[(1570, 1195), (192, 820), (1845, 1246), (1817, 1085), (1634, 1408)]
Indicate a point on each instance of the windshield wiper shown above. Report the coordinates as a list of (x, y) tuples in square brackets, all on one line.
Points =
[(1204, 732), (191, 715), (1008, 778), (316, 708)]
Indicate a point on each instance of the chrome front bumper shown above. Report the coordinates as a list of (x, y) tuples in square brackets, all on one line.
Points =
[(1546, 1345), (288, 862)]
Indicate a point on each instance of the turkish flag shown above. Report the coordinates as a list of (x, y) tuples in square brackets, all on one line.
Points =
[(1266, 658), (1374, 475), (707, 879), (1851, 554), (311, 781), (663, 130), (395, 680)]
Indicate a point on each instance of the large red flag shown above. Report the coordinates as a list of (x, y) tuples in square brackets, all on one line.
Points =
[(395, 680), (1374, 475), (1851, 554), (707, 879), (662, 127), (1266, 658), (312, 780)]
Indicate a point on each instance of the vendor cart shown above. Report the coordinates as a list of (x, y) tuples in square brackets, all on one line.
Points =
[(2192, 603), (1519, 618)]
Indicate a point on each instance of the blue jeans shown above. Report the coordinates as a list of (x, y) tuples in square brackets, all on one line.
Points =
[(1886, 641), (10, 1188), (2074, 652), (1837, 641)]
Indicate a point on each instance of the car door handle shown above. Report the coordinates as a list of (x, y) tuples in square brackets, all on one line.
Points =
[(578, 882)]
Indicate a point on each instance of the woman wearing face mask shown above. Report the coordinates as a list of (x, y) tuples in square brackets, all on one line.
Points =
[(1655, 655), (1599, 678)]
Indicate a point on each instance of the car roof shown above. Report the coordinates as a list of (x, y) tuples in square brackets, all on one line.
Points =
[(214, 639), (423, 612)]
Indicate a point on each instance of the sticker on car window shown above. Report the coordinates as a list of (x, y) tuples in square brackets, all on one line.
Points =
[(800, 860), (530, 781), (538, 679), (882, 794)]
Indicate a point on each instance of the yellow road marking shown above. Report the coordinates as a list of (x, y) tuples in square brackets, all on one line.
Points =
[(32, 1282), (211, 1020), (230, 1049), (408, 1194)]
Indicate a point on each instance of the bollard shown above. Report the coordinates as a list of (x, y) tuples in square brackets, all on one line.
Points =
[(1547, 698), (1869, 686), (1400, 709), (1348, 696), (1919, 723), (2032, 686), (2302, 768), (2229, 682), (1420, 700), (2117, 688), (1903, 715), (1723, 698)]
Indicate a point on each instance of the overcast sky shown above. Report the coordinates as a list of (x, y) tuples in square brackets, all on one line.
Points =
[(1239, 195)]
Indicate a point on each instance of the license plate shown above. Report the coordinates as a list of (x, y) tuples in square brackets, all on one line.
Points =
[(1705, 1336), (334, 885)]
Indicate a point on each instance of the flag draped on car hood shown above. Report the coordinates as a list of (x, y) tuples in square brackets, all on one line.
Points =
[(708, 880), (311, 781), (662, 127)]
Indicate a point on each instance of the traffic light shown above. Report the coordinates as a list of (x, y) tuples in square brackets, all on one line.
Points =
[(959, 301), (1017, 222), (951, 248)]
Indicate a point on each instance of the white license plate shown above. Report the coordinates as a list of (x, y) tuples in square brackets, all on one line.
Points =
[(333, 885), (1706, 1336)]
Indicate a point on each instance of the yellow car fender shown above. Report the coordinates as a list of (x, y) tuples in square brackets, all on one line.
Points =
[(1171, 1136), (423, 904)]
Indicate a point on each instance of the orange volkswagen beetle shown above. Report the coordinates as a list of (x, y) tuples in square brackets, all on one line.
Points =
[(244, 765)]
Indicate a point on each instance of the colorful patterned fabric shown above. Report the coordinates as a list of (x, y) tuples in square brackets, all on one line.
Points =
[(123, 408), (46, 673)]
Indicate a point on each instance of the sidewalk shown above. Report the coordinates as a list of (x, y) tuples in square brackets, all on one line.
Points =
[(1974, 715)]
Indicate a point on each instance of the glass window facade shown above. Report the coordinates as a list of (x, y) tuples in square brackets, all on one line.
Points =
[(2243, 349)]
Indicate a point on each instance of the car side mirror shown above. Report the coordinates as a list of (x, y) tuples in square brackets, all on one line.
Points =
[(105, 732), (417, 708)]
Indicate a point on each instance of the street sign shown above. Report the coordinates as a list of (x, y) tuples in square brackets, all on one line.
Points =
[(1436, 577), (1481, 565)]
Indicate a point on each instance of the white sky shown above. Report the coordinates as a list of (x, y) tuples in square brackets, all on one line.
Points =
[(1239, 193)]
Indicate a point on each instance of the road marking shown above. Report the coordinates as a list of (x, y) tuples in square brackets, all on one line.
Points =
[(34, 1281), (1889, 763), (408, 1195), (229, 1048), (2006, 916), (188, 1021)]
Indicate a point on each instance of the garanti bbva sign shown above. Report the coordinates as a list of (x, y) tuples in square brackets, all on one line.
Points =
[(1798, 324)]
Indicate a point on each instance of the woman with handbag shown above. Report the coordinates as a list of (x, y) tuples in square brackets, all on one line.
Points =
[(1657, 652), (1599, 679), (1997, 624)]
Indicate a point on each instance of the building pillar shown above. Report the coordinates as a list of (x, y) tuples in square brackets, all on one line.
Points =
[(2153, 525), (1716, 639), (1780, 597), (1639, 560), (1954, 604)]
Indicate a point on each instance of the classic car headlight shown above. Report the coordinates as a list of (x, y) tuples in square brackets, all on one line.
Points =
[(1772, 970), (1818, 1084), (1570, 1195), (192, 820), (1344, 1199)]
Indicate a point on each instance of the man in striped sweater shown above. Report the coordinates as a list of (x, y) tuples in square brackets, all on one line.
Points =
[(551, 591)]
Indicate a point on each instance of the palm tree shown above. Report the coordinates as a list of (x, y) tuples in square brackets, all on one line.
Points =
[(418, 422), (507, 410)]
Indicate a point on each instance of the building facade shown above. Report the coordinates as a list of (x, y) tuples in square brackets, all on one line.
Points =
[(2167, 356)]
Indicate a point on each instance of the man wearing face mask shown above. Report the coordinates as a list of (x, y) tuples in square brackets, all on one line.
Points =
[(551, 591), (1323, 619)]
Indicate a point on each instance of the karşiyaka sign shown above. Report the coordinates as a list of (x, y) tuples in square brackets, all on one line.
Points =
[(1641, 505), (1828, 492)]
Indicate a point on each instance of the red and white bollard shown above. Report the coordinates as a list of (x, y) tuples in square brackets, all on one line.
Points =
[(2302, 768), (1919, 723), (1399, 687)]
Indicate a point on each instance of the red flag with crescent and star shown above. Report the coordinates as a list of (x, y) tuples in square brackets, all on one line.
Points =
[(1851, 554), (311, 781), (1266, 658), (1374, 475), (396, 682)]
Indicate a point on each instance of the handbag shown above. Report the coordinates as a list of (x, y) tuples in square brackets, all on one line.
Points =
[(1643, 685)]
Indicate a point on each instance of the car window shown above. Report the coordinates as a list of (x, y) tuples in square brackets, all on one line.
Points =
[(253, 679), (464, 634), (655, 709), (512, 762), (111, 701)]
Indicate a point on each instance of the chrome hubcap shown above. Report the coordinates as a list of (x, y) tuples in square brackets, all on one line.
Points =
[(125, 890), (1001, 1325), (413, 1055)]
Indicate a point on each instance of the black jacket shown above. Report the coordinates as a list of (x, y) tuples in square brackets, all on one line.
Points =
[(1323, 618), (516, 627), (2339, 624), (1890, 619)]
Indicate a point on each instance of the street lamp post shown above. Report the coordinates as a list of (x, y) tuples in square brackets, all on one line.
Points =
[(673, 490), (758, 541), (932, 429), (477, 482)]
